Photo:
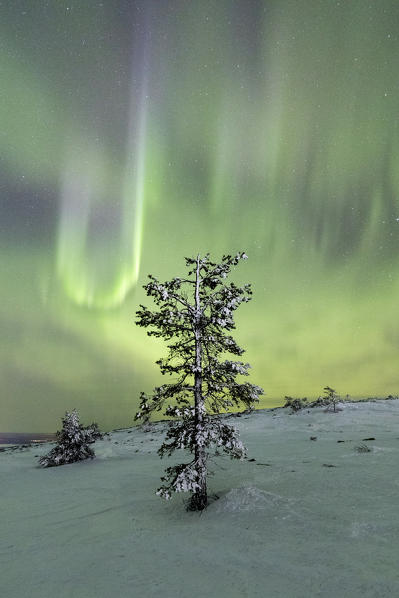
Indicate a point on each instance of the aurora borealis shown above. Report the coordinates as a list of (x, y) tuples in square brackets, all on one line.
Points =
[(135, 133)]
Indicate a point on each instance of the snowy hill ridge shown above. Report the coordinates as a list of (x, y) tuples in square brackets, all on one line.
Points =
[(311, 512)]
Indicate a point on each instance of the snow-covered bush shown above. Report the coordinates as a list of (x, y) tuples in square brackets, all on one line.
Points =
[(72, 442), (331, 401), (295, 403), (94, 432)]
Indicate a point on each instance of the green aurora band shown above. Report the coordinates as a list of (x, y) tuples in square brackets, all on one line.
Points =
[(135, 133)]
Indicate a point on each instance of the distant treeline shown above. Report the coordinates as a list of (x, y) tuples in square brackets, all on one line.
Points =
[(16, 438)]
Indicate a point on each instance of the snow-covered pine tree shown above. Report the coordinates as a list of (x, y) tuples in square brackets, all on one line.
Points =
[(196, 313), (72, 442), (331, 399)]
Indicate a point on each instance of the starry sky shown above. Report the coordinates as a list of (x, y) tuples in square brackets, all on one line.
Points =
[(138, 132)]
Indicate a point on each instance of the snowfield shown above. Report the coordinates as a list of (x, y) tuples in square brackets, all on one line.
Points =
[(300, 518)]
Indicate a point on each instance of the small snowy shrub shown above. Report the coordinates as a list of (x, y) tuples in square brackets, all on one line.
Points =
[(362, 448), (94, 432), (296, 404), (319, 402), (72, 442)]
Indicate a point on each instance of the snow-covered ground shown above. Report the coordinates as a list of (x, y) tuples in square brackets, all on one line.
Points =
[(300, 518)]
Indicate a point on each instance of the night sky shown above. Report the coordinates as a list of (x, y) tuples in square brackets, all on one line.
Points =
[(136, 133)]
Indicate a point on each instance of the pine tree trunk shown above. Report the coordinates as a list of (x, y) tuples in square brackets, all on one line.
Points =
[(199, 499)]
